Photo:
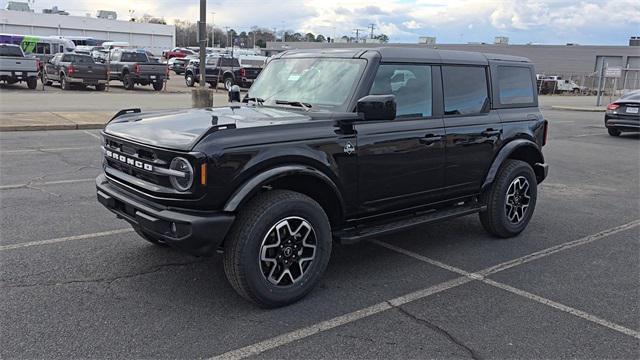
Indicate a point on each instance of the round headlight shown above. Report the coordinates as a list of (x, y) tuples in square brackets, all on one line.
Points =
[(181, 183)]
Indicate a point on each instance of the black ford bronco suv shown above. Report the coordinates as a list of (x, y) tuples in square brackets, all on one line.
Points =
[(330, 145)]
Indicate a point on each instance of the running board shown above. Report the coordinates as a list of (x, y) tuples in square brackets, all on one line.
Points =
[(353, 235)]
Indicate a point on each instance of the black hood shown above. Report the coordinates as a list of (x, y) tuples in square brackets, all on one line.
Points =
[(182, 129)]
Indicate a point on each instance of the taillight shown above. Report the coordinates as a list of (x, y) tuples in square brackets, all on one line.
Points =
[(243, 72), (136, 69), (613, 106), (545, 133), (71, 70)]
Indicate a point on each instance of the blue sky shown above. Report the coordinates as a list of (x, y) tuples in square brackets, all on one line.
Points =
[(453, 21)]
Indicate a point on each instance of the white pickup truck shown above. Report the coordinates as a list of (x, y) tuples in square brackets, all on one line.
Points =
[(15, 67)]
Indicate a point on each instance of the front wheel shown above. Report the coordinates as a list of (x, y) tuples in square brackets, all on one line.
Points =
[(278, 248), (189, 80), (614, 132), (64, 84), (510, 200)]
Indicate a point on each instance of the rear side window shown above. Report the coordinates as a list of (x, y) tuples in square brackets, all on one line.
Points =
[(465, 90), (134, 57), (515, 85), (10, 51)]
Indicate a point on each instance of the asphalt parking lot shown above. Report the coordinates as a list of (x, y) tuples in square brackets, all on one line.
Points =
[(78, 283)]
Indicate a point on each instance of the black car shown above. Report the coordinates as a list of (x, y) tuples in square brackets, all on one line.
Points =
[(329, 145), (226, 70), (623, 114), (135, 67)]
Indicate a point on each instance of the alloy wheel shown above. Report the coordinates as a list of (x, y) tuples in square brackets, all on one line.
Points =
[(287, 251), (518, 199)]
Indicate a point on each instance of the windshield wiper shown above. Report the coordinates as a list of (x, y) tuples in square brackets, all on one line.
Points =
[(294, 103)]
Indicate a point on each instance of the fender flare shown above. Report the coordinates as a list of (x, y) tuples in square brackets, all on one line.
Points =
[(504, 154), (251, 186)]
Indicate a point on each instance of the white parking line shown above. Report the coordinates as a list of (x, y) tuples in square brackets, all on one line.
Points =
[(91, 134), (23, 151), (65, 239), (260, 347), (36, 184)]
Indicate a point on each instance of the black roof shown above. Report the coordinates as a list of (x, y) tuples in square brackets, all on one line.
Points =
[(407, 54)]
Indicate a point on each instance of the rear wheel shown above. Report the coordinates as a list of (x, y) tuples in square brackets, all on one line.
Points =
[(614, 132), (228, 82), (510, 200), (157, 86), (32, 83), (127, 81), (64, 84), (278, 248), (100, 87)]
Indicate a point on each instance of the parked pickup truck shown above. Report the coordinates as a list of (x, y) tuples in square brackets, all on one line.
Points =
[(15, 67), (226, 70), (134, 67), (69, 69), (327, 147)]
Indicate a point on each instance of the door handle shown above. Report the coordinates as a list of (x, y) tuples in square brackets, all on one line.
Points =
[(429, 139), (491, 132)]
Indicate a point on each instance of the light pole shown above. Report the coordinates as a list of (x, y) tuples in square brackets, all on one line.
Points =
[(213, 29)]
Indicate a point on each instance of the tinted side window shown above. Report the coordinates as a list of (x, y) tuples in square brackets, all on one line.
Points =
[(411, 84), (43, 48), (515, 85), (465, 89)]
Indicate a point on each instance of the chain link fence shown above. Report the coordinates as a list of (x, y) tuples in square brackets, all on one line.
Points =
[(577, 84)]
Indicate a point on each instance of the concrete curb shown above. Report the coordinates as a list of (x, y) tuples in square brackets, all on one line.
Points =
[(43, 121), (10, 128), (578, 108)]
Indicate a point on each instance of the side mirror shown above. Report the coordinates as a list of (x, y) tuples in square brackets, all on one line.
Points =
[(234, 94), (377, 107)]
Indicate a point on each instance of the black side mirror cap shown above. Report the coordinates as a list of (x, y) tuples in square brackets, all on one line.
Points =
[(377, 107)]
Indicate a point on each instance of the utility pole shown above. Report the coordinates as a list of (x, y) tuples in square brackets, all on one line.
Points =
[(202, 33), (226, 28), (372, 26), (357, 34), (213, 29)]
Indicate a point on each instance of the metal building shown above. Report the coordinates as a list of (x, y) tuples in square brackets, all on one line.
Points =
[(153, 37)]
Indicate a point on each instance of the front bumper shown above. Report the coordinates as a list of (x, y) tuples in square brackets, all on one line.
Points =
[(622, 122), (196, 232)]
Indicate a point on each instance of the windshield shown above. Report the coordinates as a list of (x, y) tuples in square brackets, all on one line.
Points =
[(317, 81)]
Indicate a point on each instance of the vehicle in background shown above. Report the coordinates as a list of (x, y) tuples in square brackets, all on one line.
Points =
[(179, 65), (42, 47), (558, 85), (226, 70), (177, 52), (16, 67), (83, 40), (133, 67), (87, 49), (623, 114), (75, 69), (110, 45)]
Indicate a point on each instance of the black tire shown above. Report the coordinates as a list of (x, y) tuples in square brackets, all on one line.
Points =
[(150, 238), (256, 221), (64, 84), (47, 81), (189, 80), (127, 82), (228, 82), (212, 84), (614, 132), (502, 218), (32, 83), (157, 85), (100, 87)]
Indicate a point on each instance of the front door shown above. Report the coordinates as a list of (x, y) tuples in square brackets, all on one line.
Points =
[(401, 161)]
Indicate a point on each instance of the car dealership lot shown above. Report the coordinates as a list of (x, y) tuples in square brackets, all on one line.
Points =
[(76, 282)]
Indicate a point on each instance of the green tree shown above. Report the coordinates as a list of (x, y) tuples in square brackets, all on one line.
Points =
[(310, 37), (320, 38), (383, 38)]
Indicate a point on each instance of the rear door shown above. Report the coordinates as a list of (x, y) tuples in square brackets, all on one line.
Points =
[(401, 161), (473, 131)]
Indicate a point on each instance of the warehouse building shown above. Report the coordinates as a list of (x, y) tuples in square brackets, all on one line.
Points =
[(580, 63), (153, 37)]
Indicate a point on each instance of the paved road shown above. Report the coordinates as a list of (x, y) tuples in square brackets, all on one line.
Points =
[(77, 283)]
